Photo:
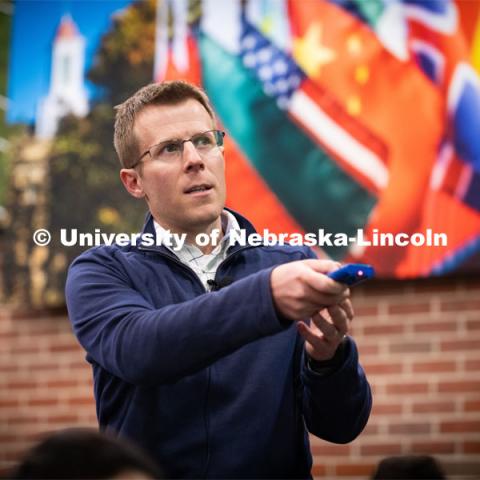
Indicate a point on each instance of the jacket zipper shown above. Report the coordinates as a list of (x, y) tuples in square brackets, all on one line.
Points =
[(187, 268), (191, 272)]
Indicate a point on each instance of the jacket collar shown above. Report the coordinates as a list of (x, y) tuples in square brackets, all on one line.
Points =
[(149, 228)]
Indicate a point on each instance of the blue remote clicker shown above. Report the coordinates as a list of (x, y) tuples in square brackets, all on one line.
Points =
[(352, 273)]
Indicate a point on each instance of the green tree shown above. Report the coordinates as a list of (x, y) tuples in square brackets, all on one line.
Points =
[(124, 61), (85, 189), (6, 9)]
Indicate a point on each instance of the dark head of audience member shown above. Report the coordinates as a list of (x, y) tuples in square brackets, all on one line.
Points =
[(417, 467), (87, 454)]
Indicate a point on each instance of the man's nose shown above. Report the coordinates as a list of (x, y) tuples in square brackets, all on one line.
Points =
[(191, 158)]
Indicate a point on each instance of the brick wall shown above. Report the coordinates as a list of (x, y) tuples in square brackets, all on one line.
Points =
[(419, 342), (45, 384)]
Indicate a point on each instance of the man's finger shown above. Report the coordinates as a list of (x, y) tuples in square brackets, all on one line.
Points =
[(321, 283), (322, 266), (339, 318), (322, 299), (315, 339), (348, 308), (326, 328)]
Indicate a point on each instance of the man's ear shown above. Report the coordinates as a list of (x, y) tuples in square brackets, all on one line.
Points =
[(132, 182)]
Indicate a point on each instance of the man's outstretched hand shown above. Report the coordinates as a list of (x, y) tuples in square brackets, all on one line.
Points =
[(302, 290)]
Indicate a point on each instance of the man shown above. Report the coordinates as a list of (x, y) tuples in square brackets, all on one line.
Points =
[(83, 453), (206, 355)]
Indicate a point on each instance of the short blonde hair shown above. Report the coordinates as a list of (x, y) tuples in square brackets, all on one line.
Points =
[(165, 93)]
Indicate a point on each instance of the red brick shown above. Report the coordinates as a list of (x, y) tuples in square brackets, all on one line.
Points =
[(411, 347), (48, 334), (460, 345), (404, 308), (439, 366), (80, 365), (9, 335), (38, 436), (91, 420), (43, 402), (368, 349), (473, 325), (386, 409), (472, 365), (463, 386), (27, 349), (407, 388), (62, 383), (318, 470), (381, 449), (409, 428), (459, 305), (449, 326), (9, 368), (433, 407), (433, 448), (370, 429), (471, 447), (460, 426), (5, 314), (385, 329), (471, 406), (73, 347), (81, 401), (9, 403), (355, 469), (70, 418), (365, 310), (23, 314), (331, 450), (382, 368), (19, 419), (21, 385)]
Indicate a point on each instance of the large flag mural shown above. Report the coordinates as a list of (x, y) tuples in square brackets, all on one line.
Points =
[(342, 116), (350, 114)]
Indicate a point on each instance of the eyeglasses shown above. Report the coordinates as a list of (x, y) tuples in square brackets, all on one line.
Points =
[(172, 150)]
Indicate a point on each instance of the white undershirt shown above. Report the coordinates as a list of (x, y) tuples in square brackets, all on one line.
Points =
[(204, 265)]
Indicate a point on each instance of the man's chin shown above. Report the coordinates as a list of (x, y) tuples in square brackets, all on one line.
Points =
[(187, 218), (204, 220), (203, 217)]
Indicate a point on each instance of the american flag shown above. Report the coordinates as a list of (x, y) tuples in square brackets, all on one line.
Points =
[(355, 149), (279, 74)]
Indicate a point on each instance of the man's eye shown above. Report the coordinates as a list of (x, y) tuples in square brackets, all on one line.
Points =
[(203, 141), (172, 147)]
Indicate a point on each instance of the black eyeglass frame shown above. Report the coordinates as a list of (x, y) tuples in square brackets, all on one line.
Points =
[(220, 135)]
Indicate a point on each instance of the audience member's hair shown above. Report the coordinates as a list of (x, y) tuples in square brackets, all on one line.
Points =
[(418, 467), (85, 453)]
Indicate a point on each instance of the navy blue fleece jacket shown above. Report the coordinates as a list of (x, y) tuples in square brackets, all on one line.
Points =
[(211, 384)]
